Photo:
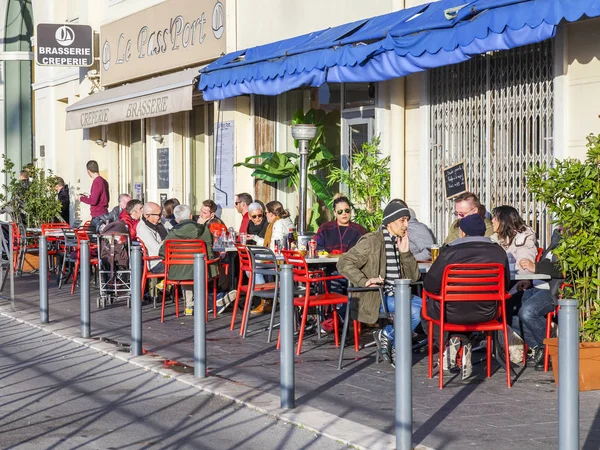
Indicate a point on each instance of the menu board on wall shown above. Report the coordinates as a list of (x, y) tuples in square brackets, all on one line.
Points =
[(163, 168), (455, 182), (224, 161)]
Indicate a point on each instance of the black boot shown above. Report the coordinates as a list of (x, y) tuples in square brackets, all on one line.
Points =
[(538, 358)]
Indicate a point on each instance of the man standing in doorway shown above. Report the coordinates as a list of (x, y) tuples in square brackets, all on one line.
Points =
[(99, 194), (242, 201)]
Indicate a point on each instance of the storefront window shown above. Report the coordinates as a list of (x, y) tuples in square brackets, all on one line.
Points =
[(137, 186), (359, 94)]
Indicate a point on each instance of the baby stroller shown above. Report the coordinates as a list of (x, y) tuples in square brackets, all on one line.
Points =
[(114, 273)]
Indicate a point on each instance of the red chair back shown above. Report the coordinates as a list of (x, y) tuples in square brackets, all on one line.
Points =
[(538, 257), (244, 256), (182, 251), (473, 282), (53, 226), (299, 266)]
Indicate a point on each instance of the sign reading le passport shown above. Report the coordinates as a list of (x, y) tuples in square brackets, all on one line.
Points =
[(64, 45)]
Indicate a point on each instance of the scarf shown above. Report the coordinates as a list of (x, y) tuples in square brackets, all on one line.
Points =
[(258, 230), (159, 228), (269, 233), (392, 265)]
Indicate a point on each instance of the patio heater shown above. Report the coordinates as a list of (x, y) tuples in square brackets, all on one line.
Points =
[(303, 133)]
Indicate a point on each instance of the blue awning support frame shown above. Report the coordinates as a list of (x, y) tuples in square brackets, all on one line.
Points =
[(390, 46)]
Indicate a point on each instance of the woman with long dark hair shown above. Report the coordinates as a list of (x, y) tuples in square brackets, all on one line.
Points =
[(513, 235)]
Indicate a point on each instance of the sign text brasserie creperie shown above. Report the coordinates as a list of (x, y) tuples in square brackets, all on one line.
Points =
[(172, 34)]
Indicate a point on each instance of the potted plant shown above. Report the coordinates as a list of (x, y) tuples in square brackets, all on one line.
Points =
[(29, 202), (571, 191), (277, 166), (368, 180)]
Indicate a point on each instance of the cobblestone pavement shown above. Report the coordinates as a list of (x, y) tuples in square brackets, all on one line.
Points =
[(479, 412)]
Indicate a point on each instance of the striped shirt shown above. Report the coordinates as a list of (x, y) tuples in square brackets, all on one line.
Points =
[(392, 263)]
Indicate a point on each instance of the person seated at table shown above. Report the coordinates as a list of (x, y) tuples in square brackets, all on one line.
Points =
[(465, 205), (514, 236), (257, 228), (378, 259), (131, 215), (186, 228), (341, 234), (114, 214), (472, 247), (540, 297), (168, 219), (152, 233), (277, 230), (209, 218), (421, 238)]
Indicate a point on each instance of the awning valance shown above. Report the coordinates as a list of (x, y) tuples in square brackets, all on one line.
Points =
[(390, 46), (157, 96)]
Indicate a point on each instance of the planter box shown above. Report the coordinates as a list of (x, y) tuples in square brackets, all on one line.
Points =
[(32, 262), (589, 363)]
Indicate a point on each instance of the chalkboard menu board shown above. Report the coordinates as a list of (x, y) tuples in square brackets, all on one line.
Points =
[(163, 168), (455, 182)]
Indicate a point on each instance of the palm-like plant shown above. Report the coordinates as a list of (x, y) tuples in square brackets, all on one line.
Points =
[(285, 166)]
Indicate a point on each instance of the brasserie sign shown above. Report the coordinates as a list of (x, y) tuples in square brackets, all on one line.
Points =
[(172, 34), (68, 45)]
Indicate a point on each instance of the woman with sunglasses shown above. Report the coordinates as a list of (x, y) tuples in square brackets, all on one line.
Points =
[(340, 234), (257, 227)]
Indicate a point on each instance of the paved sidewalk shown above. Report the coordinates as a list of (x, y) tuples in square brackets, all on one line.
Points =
[(355, 405)]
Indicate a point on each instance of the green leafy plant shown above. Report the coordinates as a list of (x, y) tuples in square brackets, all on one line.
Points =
[(368, 180), (277, 166), (571, 192), (31, 202)]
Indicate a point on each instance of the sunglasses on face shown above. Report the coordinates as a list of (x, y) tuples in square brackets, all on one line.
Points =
[(257, 216), (341, 211)]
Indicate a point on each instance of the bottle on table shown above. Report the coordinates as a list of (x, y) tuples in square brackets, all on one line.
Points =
[(290, 239)]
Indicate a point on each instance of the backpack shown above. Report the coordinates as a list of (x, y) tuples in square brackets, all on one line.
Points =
[(114, 251)]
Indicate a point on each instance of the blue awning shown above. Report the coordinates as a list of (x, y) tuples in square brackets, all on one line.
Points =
[(390, 46)]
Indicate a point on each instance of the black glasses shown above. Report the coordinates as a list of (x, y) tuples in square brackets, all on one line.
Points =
[(341, 211), (257, 216)]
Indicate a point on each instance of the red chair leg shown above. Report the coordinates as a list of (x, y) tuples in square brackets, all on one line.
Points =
[(430, 350), (549, 318), (355, 325), (507, 357), (176, 300), (237, 302), (247, 305), (336, 328), (525, 350), (214, 299), (75, 271), (301, 331), (164, 299), (489, 353), (441, 350)]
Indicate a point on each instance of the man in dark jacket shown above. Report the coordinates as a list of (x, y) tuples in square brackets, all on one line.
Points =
[(186, 228), (64, 198), (538, 301), (114, 214), (470, 248)]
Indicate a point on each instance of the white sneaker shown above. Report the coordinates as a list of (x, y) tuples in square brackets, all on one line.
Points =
[(467, 366), (450, 352), (227, 300)]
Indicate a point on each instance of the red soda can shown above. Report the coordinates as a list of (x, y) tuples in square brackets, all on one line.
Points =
[(312, 245)]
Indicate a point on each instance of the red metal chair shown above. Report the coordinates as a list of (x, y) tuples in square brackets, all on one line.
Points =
[(181, 252), (82, 235), (245, 266), (50, 231), (470, 283), (303, 276), (146, 274), (538, 257)]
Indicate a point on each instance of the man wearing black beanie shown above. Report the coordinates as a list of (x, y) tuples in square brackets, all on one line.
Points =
[(472, 247), (379, 258)]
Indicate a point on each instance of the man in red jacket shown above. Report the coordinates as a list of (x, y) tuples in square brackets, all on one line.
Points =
[(99, 194)]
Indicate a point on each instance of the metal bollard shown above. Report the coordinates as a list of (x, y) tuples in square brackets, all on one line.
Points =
[(199, 316), (43, 254), (403, 342), (286, 312), (136, 300), (84, 264), (568, 375)]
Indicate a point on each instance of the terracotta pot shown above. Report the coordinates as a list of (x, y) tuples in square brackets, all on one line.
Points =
[(589, 363)]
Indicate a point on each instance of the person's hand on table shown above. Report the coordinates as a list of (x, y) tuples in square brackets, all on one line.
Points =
[(374, 281), (523, 285), (527, 264)]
